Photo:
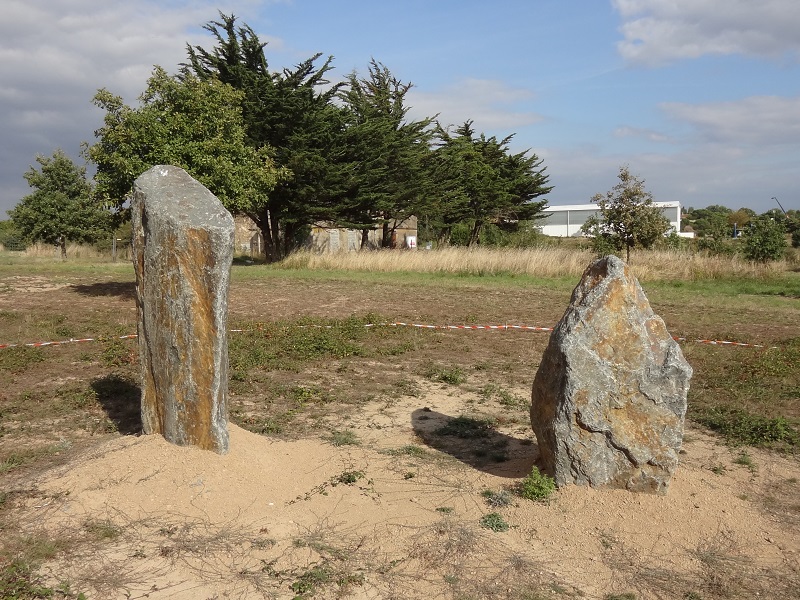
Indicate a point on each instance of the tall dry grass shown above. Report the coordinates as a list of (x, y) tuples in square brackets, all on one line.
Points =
[(536, 262), (75, 251)]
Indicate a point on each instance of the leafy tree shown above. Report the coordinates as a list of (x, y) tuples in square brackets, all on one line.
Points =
[(387, 177), (10, 237), (193, 124), (740, 218), (294, 115), (710, 221), (764, 239), (628, 217), (59, 209), (480, 182)]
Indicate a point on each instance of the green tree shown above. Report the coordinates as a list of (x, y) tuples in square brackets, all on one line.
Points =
[(764, 239), (479, 181), (628, 218), (59, 210), (193, 124), (10, 237), (291, 112), (739, 219), (386, 175)]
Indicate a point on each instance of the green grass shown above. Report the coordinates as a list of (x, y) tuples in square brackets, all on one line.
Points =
[(343, 438), (449, 375), (20, 358)]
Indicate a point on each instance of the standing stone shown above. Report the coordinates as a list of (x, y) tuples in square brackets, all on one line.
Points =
[(182, 253), (609, 398)]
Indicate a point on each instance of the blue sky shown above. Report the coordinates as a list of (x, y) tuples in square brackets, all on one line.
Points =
[(700, 98)]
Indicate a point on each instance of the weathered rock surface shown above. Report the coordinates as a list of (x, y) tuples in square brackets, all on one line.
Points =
[(609, 398), (182, 253)]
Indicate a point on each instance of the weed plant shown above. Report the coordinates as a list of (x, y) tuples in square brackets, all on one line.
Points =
[(537, 486), (497, 499), (495, 522), (466, 428)]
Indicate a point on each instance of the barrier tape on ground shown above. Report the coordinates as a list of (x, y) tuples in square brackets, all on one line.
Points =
[(69, 341), (395, 324)]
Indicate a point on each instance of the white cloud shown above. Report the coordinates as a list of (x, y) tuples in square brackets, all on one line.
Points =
[(758, 122), (661, 31), (492, 105), (638, 132), (55, 54)]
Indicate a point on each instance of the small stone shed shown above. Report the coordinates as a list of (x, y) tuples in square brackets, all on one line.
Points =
[(325, 238)]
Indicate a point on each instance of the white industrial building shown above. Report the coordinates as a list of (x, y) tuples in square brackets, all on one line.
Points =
[(567, 220)]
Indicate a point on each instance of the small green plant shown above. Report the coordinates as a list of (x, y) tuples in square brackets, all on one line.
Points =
[(306, 585), (408, 450), (746, 460), (447, 510), (495, 522), (497, 499), (537, 486), (624, 596), (344, 438), (465, 428), (102, 530), (348, 477), (452, 375)]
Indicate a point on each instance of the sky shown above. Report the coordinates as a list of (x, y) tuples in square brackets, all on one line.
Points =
[(699, 98)]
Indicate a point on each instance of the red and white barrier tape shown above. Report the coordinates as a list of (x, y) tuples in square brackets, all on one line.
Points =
[(395, 324), (69, 341)]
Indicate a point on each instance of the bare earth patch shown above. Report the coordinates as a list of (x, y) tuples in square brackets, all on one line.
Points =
[(367, 489)]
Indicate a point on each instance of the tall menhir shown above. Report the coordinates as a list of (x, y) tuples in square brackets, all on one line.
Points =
[(182, 253)]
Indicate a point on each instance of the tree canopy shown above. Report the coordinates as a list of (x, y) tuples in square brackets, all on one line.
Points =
[(187, 122), (290, 150), (628, 217), (480, 181), (59, 209), (292, 113)]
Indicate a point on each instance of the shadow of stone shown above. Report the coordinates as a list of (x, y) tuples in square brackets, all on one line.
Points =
[(121, 400), (476, 443), (123, 289)]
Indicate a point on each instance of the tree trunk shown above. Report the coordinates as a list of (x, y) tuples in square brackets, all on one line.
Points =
[(386, 240), (63, 244), (474, 235), (364, 239)]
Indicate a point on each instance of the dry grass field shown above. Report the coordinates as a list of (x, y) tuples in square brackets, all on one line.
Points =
[(389, 461)]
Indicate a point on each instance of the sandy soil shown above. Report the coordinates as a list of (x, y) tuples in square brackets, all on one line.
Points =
[(193, 524)]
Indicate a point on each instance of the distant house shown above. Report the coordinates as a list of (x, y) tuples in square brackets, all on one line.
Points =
[(323, 238), (567, 220)]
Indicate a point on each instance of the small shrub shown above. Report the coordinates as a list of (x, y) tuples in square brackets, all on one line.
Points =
[(347, 477), (497, 499), (407, 450), (452, 375), (537, 486), (344, 438), (465, 428), (495, 522)]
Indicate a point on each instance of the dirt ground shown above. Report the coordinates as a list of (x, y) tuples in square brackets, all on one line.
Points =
[(392, 509)]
